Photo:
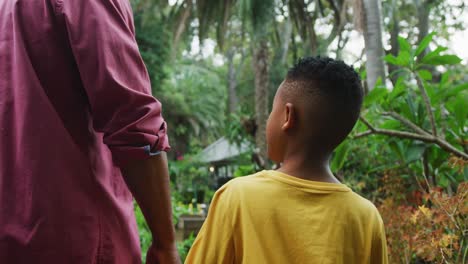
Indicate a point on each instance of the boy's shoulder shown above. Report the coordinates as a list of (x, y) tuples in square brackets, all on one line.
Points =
[(255, 177), (233, 192), (360, 210), (361, 204), (240, 183), (262, 188), (263, 183), (252, 183)]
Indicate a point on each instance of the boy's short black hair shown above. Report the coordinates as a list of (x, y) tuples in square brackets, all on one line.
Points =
[(335, 87)]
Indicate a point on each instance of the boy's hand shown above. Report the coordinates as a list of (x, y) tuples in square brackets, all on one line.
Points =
[(162, 256)]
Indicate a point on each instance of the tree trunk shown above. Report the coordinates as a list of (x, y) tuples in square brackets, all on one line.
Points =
[(424, 10), (339, 12), (395, 45), (232, 82), (260, 65), (375, 66), (294, 47), (312, 35), (181, 27), (285, 39)]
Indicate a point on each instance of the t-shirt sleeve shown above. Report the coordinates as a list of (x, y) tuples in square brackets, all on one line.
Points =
[(215, 243), (102, 39), (379, 253)]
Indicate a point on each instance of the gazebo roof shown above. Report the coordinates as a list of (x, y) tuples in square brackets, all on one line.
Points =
[(222, 150)]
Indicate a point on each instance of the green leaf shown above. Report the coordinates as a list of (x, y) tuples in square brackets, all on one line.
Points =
[(398, 89), (391, 124), (442, 60), (433, 93), (363, 74), (412, 107), (458, 177), (375, 95), (443, 181), (436, 156), (379, 83), (339, 158), (396, 147), (434, 53), (461, 110), (399, 72), (457, 89), (425, 75), (444, 78), (424, 43), (404, 45), (414, 153), (421, 113), (391, 59), (403, 58), (405, 109)]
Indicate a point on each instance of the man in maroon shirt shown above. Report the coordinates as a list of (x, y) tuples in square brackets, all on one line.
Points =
[(79, 134)]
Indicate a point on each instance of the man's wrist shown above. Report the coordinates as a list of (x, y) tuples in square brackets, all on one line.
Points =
[(166, 245)]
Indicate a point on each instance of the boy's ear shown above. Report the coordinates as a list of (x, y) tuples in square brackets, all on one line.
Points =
[(289, 117)]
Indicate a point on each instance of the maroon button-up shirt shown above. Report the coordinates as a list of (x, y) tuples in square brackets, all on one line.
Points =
[(75, 105)]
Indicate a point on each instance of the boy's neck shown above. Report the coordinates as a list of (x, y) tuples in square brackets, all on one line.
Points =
[(308, 168)]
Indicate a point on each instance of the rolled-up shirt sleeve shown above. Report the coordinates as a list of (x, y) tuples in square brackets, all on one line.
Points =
[(102, 39)]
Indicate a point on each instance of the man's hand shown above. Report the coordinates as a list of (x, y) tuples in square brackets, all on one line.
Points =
[(148, 180), (162, 256)]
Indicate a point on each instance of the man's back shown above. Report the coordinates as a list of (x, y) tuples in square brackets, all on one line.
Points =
[(272, 217), (74, 93)]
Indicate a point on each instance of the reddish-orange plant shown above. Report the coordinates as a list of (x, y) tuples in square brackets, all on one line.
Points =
[(434, 231)]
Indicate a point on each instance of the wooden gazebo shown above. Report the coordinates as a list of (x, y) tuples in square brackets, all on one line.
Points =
[(220, 157)]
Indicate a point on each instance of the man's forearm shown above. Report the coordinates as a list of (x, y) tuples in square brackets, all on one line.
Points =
[(148, 180)]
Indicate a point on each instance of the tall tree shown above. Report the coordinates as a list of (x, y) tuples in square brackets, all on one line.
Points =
[(423, 8), (232, 81), (235, 54), (305, 14), (256, 17), (260, 15), (394, 28), (260, 65), (369, 15)]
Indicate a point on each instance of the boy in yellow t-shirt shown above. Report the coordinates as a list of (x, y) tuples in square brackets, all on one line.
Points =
[(300, 213)]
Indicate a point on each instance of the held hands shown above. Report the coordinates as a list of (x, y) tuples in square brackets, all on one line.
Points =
[(162, 256)]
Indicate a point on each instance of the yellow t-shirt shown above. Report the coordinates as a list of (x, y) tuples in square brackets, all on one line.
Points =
[(271, 217)]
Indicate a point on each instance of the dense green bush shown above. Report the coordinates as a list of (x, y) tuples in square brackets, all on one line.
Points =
[(145, 235), (416, 126), (409, 155)]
